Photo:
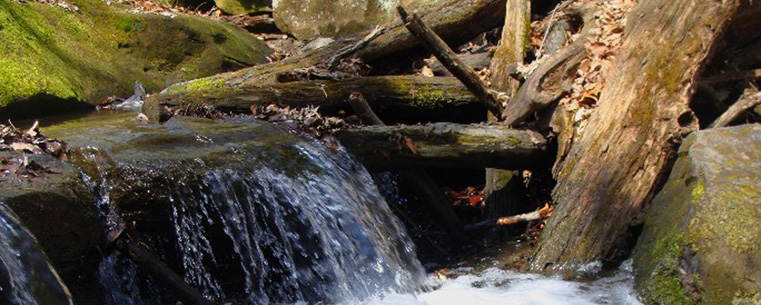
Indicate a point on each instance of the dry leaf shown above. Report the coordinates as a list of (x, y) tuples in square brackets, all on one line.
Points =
[(411, 145)]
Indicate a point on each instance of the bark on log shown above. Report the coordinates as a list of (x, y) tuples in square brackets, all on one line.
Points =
[(500, 198), (449, 59), (381, 91), (612, 170), (444, 145)]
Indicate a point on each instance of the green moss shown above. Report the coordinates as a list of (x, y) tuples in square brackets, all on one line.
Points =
[(127, 24), (204, 84), (51, 55), (429, 98)]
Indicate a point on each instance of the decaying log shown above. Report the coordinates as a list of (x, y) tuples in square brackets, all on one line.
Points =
[(381, 91), (437, 202), (445, 145), (746, 102), (499, 195), (449, 59), (613, 167), (550, 80)]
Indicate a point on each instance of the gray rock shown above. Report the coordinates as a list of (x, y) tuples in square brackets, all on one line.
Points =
[(701, 243), (308, 20)]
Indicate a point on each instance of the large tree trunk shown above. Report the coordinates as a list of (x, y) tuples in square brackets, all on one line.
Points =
[(445, 145), (615, 165), (501, 199)]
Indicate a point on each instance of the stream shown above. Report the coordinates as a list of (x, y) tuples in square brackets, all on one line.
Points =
[(251, 214)]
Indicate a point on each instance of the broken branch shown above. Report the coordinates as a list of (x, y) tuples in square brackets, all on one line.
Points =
[(449, 59)]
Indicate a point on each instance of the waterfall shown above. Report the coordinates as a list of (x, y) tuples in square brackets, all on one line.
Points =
[(26, 276), (282, 221), (323, 235)]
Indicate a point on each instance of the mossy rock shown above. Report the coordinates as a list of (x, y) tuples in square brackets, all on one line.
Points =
[(54, 60), (701, 243), (238, 7), (307, 20)]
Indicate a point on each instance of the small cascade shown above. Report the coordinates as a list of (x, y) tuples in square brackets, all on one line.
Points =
[(26, 276), (322, 235), (248, 214)]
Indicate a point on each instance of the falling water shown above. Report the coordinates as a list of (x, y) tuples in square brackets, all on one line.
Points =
[(26, 276), (322, 235), (265, 217)]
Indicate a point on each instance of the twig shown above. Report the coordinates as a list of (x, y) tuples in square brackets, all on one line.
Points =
[(545, 211), (746, 102), (448, 58)]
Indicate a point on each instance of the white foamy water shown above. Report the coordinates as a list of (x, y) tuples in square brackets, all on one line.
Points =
[(494, 287)]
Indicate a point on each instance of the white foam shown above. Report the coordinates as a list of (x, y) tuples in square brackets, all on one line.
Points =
[(494, 287)]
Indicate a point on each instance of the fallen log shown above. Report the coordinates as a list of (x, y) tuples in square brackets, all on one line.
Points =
[(381, 91), (446, 145), (435, 198), (613, 167), (456, 21), (448, 58)]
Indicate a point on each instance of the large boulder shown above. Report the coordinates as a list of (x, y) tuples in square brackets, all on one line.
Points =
[(53, 59), (307, 20), (701, 243)]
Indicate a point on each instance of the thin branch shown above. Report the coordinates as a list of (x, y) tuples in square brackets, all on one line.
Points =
[(734, 111)]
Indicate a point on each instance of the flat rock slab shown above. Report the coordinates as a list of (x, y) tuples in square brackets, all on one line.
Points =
[(701, 243)]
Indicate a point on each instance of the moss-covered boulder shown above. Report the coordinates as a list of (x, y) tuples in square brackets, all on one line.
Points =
[(307, 20), (701, 243), (52, 59), (237, 7), (57, 207)]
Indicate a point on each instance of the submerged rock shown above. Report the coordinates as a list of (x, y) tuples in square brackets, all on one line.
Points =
[(701, 243), (55, 59), (308, 20)]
